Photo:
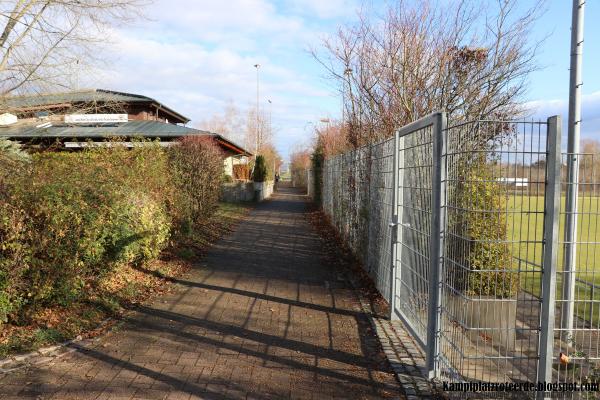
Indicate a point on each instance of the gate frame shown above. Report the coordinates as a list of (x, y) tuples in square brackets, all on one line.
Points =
[(436, 246), (438, 122)]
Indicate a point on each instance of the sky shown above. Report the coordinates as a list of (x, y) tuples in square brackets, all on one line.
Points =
[(195, 56)]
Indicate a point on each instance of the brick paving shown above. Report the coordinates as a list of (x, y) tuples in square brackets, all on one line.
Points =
[(261, 317)]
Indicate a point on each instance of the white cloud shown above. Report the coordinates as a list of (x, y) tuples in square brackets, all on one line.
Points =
[(196, 56), (235, 24), (197, 80), (590, 113)]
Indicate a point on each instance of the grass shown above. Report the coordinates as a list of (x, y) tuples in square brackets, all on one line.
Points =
[(128, 286), (525, 228), (525, 223)]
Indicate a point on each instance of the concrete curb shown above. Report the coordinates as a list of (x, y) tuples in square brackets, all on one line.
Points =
[(46, 354)]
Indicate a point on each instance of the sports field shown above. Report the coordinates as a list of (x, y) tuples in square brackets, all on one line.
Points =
[(525, 230)]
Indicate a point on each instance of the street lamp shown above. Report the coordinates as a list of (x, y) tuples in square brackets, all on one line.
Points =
[(257, 66)]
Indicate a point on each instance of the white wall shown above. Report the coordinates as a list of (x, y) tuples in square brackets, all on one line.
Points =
[(228, 166)]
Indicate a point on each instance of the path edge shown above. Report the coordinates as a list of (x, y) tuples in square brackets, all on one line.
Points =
[(406, 359)]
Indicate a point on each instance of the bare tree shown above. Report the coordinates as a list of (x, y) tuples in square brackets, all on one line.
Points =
[(589, 174), (265, 131), (299, 164), (233, 124), (272, 159), (43, 42), (419, 58), (229, 123), (333, 137)]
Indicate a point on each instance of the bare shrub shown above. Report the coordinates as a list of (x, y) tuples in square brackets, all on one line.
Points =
[(419, 58), (197, 167)]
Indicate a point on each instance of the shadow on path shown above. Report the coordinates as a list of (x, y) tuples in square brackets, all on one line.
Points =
[(261, 316)]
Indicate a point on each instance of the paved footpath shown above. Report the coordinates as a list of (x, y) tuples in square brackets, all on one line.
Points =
[(261, 317)]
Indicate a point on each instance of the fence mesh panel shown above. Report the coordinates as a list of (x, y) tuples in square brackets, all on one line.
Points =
[(493, 250), (580, 340), (357, 197), (492, 267), (414, 230)]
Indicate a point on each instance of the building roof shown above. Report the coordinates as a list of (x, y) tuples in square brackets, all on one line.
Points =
[(39, 101), (148, 129)]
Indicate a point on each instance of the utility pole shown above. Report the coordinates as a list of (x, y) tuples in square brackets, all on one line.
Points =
[(570, 249), (257, 66)]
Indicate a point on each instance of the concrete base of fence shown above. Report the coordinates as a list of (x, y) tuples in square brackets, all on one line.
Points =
[(236, 192), (491, 320)]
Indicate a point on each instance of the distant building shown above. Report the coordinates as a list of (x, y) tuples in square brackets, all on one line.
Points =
[(74, 119), (515, 182)]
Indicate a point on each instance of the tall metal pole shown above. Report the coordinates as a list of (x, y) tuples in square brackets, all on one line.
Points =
[(257, 66), (575, 84)]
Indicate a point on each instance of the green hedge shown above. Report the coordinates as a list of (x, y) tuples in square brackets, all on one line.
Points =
[(317, 164), (68, 220), (482, 245)]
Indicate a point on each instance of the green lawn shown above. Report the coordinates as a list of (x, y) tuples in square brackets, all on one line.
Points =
[(525, 229)]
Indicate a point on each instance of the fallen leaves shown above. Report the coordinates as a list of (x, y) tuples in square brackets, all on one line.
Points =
[(124, 288), (338, 254)]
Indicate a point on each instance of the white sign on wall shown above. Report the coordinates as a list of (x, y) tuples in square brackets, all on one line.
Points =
[(7, 119), (95, 118)]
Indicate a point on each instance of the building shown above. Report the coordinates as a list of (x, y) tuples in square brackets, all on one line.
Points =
[(514, 182), (91, 101), (78, 119)]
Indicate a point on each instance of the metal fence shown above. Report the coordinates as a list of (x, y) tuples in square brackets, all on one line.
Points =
[(462, 228), (357, 197), (577, 332), (493, 251)]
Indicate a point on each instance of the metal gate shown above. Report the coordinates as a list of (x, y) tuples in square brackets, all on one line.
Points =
[(417, 214), (472, 260), (474, 245)]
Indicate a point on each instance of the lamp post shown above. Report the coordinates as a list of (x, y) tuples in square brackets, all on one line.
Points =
[(257, 66)]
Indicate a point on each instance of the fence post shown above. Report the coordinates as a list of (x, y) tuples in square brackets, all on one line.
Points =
[(550, 256), (592, 287), (394, 234), (438, 202)]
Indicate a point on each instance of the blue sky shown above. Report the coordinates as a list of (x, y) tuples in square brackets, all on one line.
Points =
[(195, 56)]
